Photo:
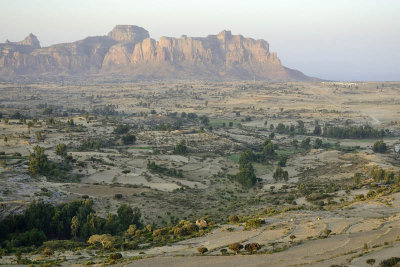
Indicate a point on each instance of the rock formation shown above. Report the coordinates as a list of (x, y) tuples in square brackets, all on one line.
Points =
[(129, 51)]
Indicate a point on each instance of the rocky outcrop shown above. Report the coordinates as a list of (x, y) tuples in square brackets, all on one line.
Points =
[(128, 34), (129, 50)]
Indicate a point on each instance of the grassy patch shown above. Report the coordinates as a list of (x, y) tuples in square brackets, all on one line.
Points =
[(13, 157), (140, 147), (218, 122), (234, 157), (262, 168)]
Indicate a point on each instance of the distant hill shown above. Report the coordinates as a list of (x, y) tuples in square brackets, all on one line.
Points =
[(128, 51)]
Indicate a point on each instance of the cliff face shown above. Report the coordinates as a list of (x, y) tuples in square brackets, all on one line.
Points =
[(128, 50)]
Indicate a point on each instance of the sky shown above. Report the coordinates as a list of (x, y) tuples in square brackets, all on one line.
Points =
[(347, 40)]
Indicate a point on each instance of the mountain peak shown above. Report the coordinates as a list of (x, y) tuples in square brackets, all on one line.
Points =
[(128, 34), (224, 35), (31, 40)]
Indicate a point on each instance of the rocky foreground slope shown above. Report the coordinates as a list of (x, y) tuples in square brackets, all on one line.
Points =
[(129, 51)]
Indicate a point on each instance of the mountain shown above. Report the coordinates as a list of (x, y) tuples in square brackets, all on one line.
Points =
[(129, 51)]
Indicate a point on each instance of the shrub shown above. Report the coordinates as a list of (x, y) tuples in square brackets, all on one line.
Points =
[(202, 250), (254, 223), (106, 241), (128, 139), (282, 161), (327, 232), (118, 196), (280, 174), (234, 219), (235, 247), (389, 262), (47, 252), (292, 237), (370, 261), (115, 256), (121, 129), (61, 150), (379, 147), (252, 247), (180, 148)]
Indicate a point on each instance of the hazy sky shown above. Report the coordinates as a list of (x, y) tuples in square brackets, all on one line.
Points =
[(331, 39)]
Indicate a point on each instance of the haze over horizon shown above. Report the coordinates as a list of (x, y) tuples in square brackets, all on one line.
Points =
[(335, 40)]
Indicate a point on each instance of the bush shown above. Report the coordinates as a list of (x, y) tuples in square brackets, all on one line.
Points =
[(389, 262), (47, 252), (234, 219), (254, 223), (379, 147), (202, 250), (282, 161), (246, 176), (118, 196), (252, 247), (280, 174), (115, 256), (128, 139), (61, 150), (180, 148), (235, 247), (121, 129)]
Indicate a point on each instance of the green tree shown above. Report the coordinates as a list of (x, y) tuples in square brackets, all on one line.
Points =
[(280, 174), (38, 162), (317, 130), (74, 226), (268, 148), (305, 144), (128, 139), (61, 150), (128, 216), (317, 143), (282, 161), (379, 147), (180, 148), (246, 175), (121, 129)]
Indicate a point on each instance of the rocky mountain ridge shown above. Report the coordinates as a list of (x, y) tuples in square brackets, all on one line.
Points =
[(129, 51)]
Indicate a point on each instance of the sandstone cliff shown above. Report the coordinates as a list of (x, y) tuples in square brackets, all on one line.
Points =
[(128, 50)]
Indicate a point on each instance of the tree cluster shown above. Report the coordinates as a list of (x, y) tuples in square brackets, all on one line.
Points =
[(351, 132), (75, 220)]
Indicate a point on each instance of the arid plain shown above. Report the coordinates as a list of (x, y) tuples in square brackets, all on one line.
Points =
[(332, 207)]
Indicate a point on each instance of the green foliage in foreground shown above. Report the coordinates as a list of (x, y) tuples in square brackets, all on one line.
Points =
[(75, 220), (71, 225)]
